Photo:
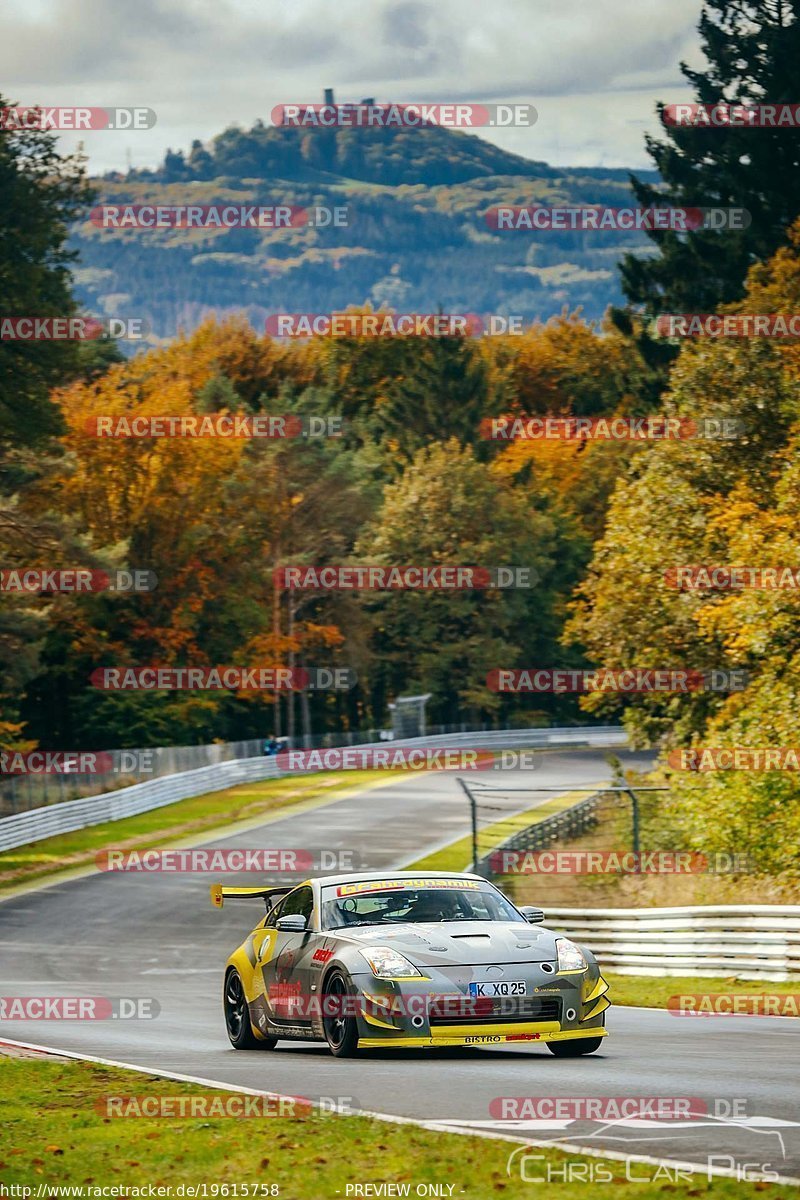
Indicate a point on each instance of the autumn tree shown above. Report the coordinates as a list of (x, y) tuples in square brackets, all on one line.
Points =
[(708, 501), (210, 516), (448, 509)]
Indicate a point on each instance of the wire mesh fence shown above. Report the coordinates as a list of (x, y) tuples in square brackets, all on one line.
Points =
[(520, 837), (557, 853)]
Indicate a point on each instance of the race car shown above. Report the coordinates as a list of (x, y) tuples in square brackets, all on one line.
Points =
[(409, 960)]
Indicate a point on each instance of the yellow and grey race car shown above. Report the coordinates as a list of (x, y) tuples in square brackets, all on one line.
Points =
[(405, 959)]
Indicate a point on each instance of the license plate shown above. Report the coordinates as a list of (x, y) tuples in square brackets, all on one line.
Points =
[(507, 987)]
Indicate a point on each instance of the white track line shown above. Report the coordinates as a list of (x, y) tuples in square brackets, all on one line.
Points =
[(435, 1126)]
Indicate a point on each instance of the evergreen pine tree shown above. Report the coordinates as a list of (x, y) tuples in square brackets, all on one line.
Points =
[(445, 395), (752, 48)]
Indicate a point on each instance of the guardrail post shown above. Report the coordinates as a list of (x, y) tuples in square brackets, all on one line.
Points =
[(635, 816), (473, 811)]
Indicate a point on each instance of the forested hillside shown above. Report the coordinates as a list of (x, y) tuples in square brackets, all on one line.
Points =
[(417, 237)]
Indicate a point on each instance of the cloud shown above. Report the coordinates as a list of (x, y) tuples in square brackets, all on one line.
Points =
[(202, 64)]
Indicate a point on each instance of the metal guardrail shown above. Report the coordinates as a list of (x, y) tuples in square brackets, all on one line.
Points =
[(22, 828), (21, 792), (748, 941)]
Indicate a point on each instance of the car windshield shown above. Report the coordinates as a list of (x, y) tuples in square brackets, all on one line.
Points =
[(393, 903)]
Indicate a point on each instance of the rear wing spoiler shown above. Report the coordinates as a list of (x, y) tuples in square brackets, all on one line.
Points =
[(219, 894)]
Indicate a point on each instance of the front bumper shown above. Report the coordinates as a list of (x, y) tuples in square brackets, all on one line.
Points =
[(575, 1004)]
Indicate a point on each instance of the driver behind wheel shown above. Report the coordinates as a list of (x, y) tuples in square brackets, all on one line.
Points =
[(435, 906)]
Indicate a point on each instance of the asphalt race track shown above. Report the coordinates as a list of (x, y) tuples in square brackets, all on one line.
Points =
[(156, 935)]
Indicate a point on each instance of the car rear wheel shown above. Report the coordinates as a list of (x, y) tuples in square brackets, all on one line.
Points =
[(341, 1029), (237, 1017), (573, 1049)]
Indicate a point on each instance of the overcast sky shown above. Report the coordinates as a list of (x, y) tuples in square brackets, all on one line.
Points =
[(593, 70)]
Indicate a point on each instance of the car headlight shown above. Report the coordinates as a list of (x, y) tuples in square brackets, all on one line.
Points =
[(386, 963), (570, 956)]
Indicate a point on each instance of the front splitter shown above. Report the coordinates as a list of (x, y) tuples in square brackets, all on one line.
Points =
[(485, 1038)]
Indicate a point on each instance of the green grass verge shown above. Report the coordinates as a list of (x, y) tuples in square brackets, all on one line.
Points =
[(53, 1134), (456, 855), (182, 820), (655, 992)]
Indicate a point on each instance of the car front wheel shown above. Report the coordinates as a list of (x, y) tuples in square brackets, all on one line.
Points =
[(341, 1029)]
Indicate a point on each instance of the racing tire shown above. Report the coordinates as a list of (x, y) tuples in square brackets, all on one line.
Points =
[(237, 1017), (573, 1049), (341, 1032)]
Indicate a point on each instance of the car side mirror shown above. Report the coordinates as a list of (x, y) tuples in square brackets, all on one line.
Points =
[(293, 923), (534, 916)]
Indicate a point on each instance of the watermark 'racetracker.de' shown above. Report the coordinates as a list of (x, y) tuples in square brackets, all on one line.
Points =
[(597, 218), (218, 216), (418, 578), (71, 580), (608, 429), (71, 329), (222, 678), (213, 425), (403, 115), (623, 681), (43, 118)]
